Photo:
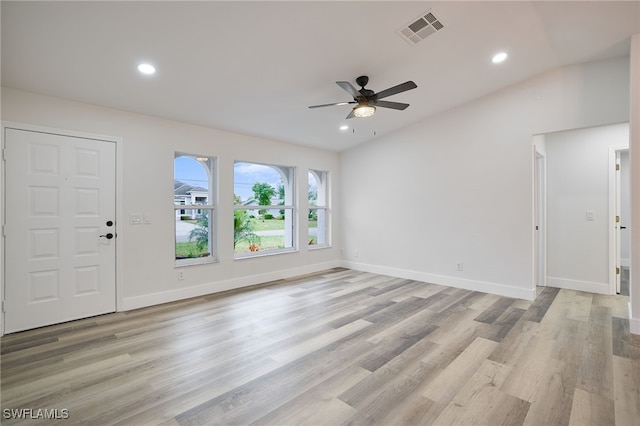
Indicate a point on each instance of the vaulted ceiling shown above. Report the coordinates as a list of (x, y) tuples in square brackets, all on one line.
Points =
[(255, 67)]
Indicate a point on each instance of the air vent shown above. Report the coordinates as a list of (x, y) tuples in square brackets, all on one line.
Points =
[(420, 28)]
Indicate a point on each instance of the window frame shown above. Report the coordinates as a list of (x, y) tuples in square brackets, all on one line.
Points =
[(288, 174), (322, 178), (210, 166)]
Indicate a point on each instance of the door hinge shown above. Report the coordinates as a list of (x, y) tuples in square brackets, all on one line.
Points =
[(617, 167), (3, 310), (617, 270), (617, 219), (4, 154)]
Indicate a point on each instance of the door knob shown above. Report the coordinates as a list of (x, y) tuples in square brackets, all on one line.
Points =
[(107, 236)]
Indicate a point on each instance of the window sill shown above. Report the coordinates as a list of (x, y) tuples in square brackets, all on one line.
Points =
[(319, 246), (251, 255), (190, 261)]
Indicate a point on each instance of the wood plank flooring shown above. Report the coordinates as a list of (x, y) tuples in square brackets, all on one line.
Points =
[(339, 347)]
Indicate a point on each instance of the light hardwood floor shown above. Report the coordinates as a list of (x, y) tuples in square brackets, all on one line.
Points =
[(335, 348)]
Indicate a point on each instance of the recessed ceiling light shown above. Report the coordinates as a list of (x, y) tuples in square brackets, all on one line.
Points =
[(344, 127), (147, 69), (499, 57)]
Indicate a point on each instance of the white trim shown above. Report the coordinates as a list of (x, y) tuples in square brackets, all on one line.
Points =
[(474, 285), (264, 253), (613, 207), (152, 299), (588, 286), (539, 216), (262, 207), (118, 197), (56, 131)]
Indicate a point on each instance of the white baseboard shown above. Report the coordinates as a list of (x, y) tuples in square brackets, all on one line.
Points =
[(467, 284), (219, 286), (588, 286)]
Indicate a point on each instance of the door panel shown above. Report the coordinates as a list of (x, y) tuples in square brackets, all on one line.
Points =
[(60, 193)]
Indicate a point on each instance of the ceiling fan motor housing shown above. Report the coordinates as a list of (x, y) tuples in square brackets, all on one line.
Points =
[(362, 81)]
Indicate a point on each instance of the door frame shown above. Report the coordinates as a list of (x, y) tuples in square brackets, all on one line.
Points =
[(614, 208), (540, 217), (118, 200)]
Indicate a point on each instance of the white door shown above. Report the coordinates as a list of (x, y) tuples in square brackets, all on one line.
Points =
[(60, 228)]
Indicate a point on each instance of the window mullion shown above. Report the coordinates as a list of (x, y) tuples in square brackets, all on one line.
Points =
[(261, 207)]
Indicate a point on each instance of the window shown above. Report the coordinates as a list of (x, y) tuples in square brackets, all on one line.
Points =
[(264, 209), (318, 208), (194, 202)]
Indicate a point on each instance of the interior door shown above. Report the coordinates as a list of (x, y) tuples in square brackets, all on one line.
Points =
[(60, 228)]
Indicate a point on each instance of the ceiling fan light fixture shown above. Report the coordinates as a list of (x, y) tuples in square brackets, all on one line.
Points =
[(364, 110)]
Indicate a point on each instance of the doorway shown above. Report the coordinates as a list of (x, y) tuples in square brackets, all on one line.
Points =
[(60, 242), (580, 196), (620, 207)]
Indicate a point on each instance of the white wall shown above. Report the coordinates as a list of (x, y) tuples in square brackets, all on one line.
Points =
[(577, 182), (146, 263), (458, 187)]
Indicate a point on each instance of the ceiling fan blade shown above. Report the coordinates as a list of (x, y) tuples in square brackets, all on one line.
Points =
[(351, 115), (333, 104), (402, 87), (392, 105), (348, 87)]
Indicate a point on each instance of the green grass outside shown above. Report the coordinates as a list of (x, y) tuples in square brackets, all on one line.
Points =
[(188, 249)]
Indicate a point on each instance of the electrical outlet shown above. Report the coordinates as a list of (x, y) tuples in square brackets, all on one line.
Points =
[(180, 275), (459, 266)]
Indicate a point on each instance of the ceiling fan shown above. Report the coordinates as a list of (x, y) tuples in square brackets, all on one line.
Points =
[(367, 100)]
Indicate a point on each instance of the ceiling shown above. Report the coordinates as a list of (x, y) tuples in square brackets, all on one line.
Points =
[(254, 67)]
